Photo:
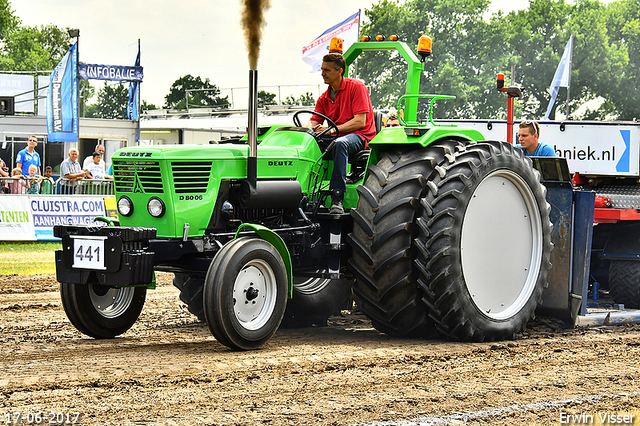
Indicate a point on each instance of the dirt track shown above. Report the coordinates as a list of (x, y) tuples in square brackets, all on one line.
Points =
[(169, 370)]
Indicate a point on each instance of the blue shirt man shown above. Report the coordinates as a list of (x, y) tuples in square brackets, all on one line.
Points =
[(29, 156), (528, 135)]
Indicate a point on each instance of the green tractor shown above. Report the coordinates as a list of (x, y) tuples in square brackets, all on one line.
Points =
[(443, 233)]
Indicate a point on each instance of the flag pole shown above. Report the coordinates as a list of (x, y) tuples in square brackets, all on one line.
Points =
[(138, 102), (569, 76)]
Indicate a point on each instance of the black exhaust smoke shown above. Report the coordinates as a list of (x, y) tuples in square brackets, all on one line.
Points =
[(253, 23), (263, 194)]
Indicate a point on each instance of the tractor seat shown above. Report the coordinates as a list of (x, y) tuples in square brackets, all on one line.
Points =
[(359, 159), (358, 163)]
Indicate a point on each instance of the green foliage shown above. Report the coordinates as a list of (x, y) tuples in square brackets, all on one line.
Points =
[(112, 102), (146, 106), (33, 48), (201, 98), (303, 100), (8, 21), (468, 52), (266, 98)]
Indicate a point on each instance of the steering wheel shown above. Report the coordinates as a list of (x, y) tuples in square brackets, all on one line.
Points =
[(332, 125)]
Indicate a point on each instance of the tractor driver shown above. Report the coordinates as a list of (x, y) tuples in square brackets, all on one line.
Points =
[(528, 136), (347, 103)]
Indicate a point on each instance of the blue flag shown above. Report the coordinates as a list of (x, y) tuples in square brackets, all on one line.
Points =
[(62, 99), (134, 95), (562, 78)]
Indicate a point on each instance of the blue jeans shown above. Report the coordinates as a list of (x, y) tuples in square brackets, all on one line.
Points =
[(345, 146)]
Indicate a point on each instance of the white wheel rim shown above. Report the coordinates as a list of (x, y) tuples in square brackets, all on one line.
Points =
[(310, 285), (254, 294), (113, 303), (501, 245)]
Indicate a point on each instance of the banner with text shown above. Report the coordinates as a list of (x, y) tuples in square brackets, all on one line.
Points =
[(32, 217), (16, 220), (62, 99), (110, 72)]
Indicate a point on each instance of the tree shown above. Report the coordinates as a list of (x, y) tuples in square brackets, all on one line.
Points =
[(33, 48), (467, 55), (112, 102), (200, 98), (146, 106), (303, 100), (266, 98), (8, 21)]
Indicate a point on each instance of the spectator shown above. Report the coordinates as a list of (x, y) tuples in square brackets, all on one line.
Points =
[(528, 136), (4, 172), (28, 156), (33, 180), (89, 160), (46, 187), (71, 171), (392, 120), (19, 185), (97, 172), (97, 167)]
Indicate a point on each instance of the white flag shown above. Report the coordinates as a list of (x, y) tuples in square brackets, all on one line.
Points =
[(562, 78), (347, 30)]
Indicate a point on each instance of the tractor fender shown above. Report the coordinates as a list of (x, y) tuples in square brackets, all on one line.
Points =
[(623, 242), (275, 240)]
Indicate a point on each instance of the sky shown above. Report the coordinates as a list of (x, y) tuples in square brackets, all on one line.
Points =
[(202, 38)]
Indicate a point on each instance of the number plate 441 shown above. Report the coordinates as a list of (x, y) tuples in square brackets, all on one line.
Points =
[(88, 252)]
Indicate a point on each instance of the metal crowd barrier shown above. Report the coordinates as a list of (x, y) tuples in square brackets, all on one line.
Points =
[(11, 185), (84, 186)]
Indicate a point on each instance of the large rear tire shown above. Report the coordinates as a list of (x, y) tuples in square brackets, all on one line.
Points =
[(102, 312), (384, 228), (245, 293), (485, 240), (624, 282), (191, 293)]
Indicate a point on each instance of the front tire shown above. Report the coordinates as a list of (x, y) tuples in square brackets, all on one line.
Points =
[(245, 293), (102, 312), (486, 243)]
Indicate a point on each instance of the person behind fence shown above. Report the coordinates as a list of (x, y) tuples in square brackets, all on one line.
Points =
[(19, 184), (46, 187), (4, 172), (28, 156), (89, 160), (96, 170), (72, 173), (33, 180)]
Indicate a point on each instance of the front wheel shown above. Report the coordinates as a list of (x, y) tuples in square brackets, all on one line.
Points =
[(102, 312), (245, 293)]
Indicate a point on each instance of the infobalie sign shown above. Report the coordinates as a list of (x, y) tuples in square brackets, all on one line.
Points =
[(32, 217), (110, 72)]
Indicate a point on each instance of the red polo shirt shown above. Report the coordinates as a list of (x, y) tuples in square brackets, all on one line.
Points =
[(352, 98)]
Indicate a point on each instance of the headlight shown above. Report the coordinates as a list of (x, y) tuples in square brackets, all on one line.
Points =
[(155, 207), (125, 206)]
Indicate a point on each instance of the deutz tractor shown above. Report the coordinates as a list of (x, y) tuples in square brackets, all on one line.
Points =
[(443, 233)]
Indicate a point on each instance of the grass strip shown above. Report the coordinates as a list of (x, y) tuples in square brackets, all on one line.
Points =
[(19, 258)]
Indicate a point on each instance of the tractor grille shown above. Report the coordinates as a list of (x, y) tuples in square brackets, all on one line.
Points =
[(191, 177), (137, 176)]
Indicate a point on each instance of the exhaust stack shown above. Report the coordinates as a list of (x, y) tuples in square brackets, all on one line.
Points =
[(252, 130)]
